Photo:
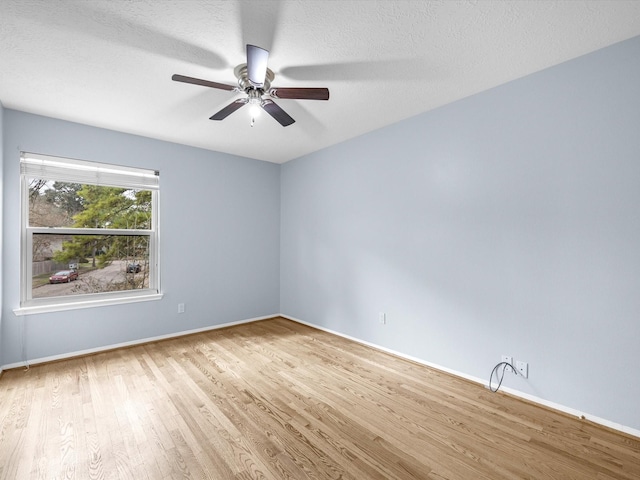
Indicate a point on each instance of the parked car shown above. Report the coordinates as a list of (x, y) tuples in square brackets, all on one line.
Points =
[(64, 276), (134, 268)]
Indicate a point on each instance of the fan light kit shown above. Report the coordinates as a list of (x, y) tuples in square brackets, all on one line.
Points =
[(254, 79)]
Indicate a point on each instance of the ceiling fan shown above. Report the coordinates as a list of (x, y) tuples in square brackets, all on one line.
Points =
[(254, 79)]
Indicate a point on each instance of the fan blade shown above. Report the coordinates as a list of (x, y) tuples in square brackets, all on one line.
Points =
[(229, 109), (276, 112), (300, 93), (257, 59), (204, 83)]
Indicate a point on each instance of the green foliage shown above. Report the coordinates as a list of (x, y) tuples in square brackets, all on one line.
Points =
[(106, 208), (81, 246), (65, 195)]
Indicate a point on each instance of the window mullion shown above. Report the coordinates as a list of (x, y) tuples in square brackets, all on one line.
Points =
[(88, 231)]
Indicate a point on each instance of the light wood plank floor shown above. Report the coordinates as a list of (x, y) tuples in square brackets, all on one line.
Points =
[(278, 400)]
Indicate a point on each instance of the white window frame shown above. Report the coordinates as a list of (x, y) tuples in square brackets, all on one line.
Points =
[(79, 171)]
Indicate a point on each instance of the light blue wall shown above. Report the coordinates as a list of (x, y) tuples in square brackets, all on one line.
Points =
[(219, 239), (505, 223), (1, 222)]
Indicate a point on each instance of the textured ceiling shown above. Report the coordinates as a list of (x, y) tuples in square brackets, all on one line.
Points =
[(109, 63)]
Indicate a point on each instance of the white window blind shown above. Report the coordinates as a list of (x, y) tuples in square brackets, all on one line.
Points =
[(78, 171)]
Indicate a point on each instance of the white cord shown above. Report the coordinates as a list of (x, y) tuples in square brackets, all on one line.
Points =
[(24, 342)]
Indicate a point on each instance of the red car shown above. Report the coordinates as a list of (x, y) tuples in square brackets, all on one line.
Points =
[(63, 276)]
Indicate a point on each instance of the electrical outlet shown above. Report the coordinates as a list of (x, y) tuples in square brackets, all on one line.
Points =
[(382, 318), (509, 360), (181, 308), (523, 368)]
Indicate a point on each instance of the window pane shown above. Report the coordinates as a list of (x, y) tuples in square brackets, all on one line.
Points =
[(88, 264), (75, 205)]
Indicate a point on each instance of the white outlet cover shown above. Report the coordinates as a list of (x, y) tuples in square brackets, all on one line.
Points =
[(523, 368), (507, 359)]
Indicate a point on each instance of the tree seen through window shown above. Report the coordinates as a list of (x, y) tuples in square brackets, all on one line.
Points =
[(65, 205)]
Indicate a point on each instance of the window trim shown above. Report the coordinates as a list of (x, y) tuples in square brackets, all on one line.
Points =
[(80, 171)]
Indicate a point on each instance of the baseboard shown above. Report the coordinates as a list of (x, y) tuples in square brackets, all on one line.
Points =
[(511, 391), (80, 353)]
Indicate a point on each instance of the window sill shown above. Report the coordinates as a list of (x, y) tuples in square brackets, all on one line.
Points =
[(70, 305)]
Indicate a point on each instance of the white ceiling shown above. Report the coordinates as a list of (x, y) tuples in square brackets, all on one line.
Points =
[(109, 63)]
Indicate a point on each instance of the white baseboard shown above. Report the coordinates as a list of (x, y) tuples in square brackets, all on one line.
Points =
[(90, 351), (516, 393)]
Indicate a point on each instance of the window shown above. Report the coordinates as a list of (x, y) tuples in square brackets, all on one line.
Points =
[(89, 234)]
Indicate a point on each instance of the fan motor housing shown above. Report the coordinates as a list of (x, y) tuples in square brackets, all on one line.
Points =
[(243, 78)]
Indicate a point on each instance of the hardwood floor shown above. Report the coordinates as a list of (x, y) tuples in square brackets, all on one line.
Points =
[(279, 400)]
